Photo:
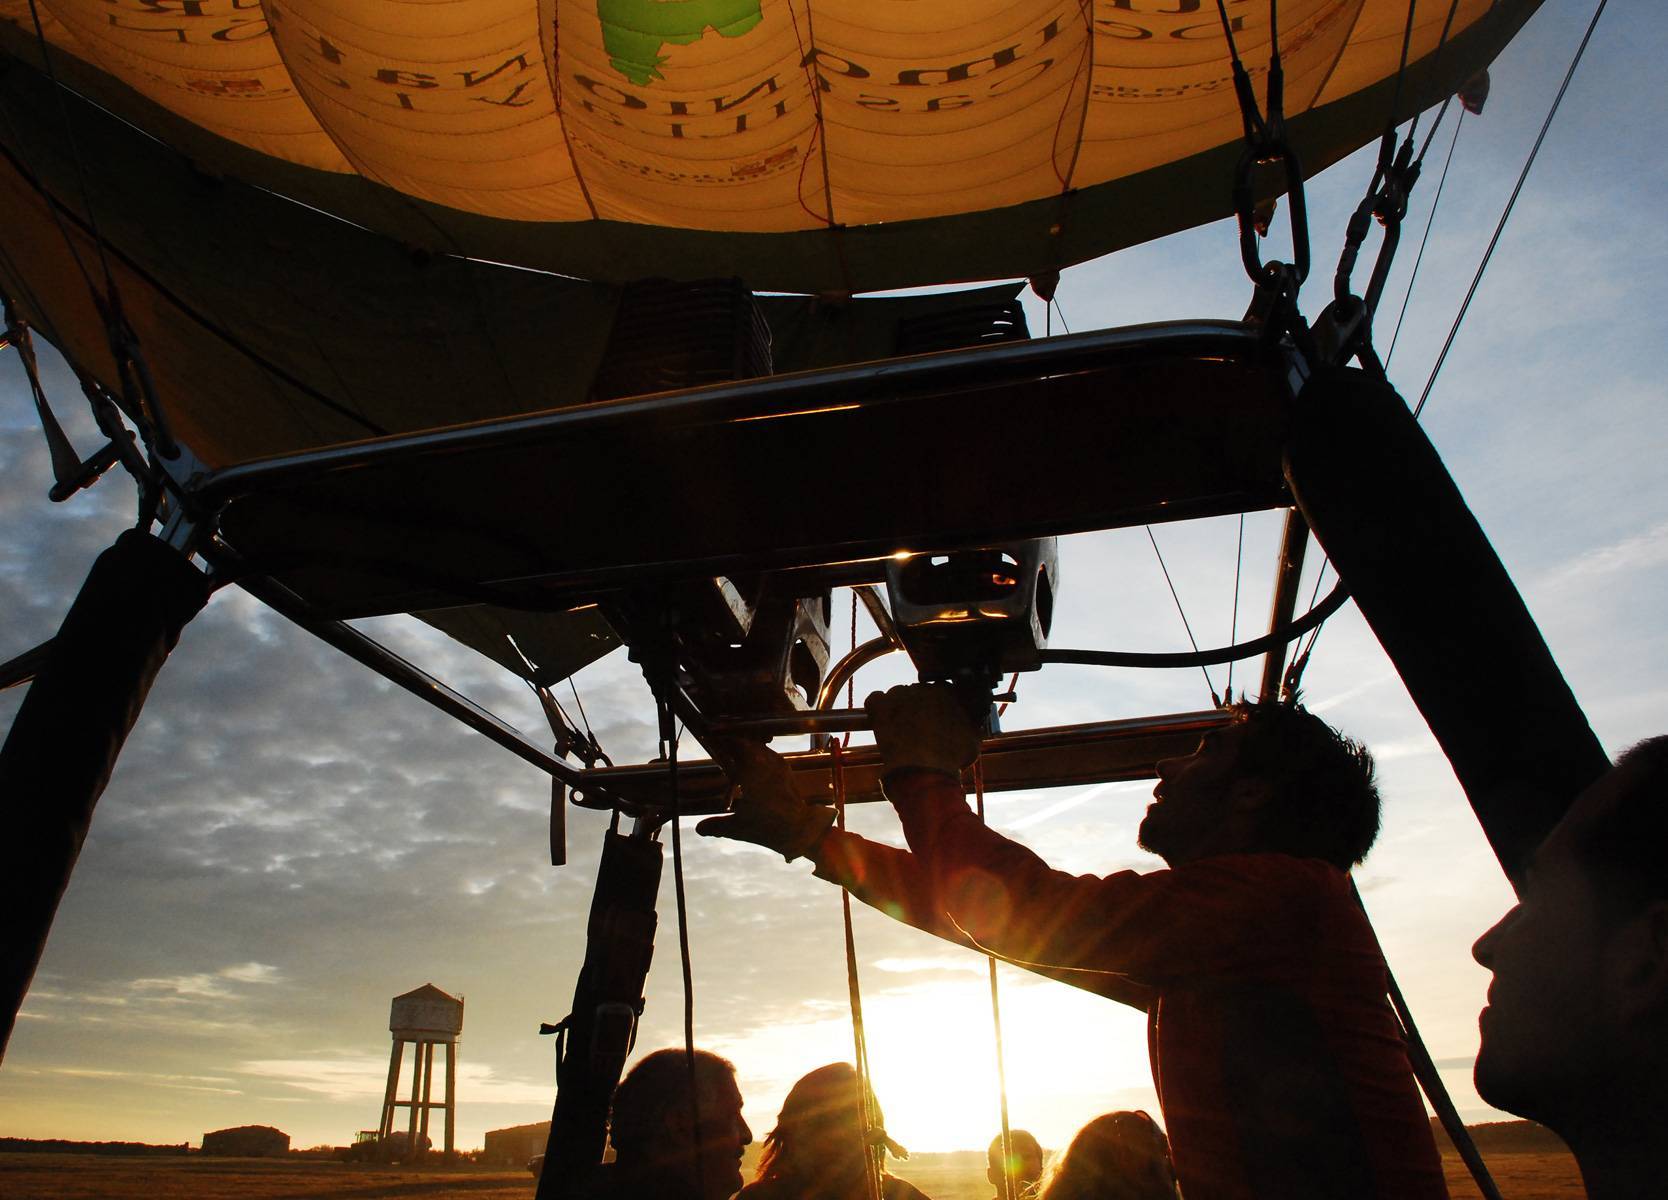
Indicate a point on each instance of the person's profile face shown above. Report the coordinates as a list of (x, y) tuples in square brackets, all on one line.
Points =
[(724, 1136), (1542, 1031), (1190, 798)]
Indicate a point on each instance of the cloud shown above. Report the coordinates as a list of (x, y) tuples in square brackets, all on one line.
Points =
[(355, 1076), (251, 972), (961, 964), (1598, 567), (207, 986), (337, 1078)]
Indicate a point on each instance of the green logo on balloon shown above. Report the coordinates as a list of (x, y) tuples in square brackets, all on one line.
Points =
[(634, 32)]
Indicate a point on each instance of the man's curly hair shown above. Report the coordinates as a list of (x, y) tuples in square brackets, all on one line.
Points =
[(1326, 802)]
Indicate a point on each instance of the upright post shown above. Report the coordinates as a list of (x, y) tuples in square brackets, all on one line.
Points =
[(598, 1033), (69, 730), (428, 1088), (451, 1096), (416, 1092), (1385, 509), (391, 1094)]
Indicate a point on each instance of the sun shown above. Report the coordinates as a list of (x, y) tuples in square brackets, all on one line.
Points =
[(1069, 1055)]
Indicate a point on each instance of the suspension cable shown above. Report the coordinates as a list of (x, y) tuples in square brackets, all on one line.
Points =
[(851, 681), (996, 1023), (1505, 216), (58, 90), (1182, 613), (669, 737), (1233, 622), (873, 1145), (1425, 238), (132, 372)]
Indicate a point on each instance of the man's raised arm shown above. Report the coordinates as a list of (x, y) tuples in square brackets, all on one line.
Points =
[(768, 812)]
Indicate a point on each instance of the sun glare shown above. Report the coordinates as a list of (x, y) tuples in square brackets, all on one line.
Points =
[(1069, 1055)]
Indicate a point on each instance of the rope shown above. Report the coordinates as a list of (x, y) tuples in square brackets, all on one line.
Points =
[(1425, 1071), (851, 682), (66, 463), (996, 1022), (1233, 624), (1183, 614), (670, 745), (873, 1147), (1505, 216)]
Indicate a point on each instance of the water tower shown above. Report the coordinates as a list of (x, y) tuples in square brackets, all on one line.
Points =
[(426, 1017)]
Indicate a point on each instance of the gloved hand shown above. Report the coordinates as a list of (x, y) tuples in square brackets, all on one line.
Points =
[(768, 811), (924, 727)]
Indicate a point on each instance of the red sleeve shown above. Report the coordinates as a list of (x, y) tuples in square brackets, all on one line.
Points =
[(883, 877), (1150, 927), (899, 885)]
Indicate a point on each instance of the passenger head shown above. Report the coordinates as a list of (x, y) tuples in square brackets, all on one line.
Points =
[(653, 1130), (1024, 1162), (1575, 1034), (1278, 779), (1117, 1156), (819, 1135)]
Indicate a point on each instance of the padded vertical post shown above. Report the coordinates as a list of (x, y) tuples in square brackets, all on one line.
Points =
[(598, 1034), (69, 731), (1382, 504)]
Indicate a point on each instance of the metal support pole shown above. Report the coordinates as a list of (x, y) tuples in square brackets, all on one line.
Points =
[(25, 666), (1063, 756), (410, 677), (836, 720), (1294, 544)]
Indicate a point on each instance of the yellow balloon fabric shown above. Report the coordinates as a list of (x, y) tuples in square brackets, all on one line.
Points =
[(756, 116)]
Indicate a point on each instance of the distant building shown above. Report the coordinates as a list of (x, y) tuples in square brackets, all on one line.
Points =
[(248, 1141), (512, 1147)]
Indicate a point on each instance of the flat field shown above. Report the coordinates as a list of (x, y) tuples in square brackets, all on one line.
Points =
[(1521, 1175)]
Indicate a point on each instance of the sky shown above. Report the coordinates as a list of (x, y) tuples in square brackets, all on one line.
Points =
[(289, 841)]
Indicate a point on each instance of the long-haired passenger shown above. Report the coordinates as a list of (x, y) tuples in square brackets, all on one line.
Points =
[(819, 1150), (1117, 1156)]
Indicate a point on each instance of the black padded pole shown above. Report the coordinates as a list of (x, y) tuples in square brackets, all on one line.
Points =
[(69, 730), (1385, 509), (597, 1036)]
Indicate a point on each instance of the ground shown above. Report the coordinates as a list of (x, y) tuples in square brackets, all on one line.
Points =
[(1522, 1176)]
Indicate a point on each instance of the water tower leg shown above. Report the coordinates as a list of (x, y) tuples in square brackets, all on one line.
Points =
[(416, 1094), (391, 1092), (428, 1090), (451, 1094)]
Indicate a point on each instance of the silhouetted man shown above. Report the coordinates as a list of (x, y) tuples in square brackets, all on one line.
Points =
[(1024, 1165), (656, 1152), (1575, 1034), (1279, 1063)]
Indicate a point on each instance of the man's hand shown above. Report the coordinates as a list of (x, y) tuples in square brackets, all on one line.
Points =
[(922, 727), (768, 812)]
